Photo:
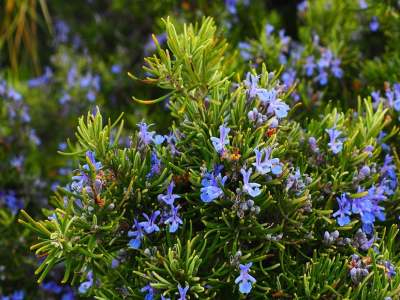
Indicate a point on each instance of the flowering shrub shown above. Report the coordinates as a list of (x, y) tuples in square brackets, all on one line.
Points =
[(338, 50), (235, 198), (38, 111)]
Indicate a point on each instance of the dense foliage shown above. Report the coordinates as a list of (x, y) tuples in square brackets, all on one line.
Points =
[(264, 166)]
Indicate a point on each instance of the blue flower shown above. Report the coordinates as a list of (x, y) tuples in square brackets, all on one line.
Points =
[(251, 188), (150, 226), (69, 295), (251, 84), (86, 285), (211, 189), (245, 280), (115, 262), (64, 98), (223, 140), (296, 183), (14, 95), (155, 168), (158, 139), (313, 144), (245, 49), (368, 207), (344, 210), (92, 158), (169, 197), (335, 144), (289, 77), (91, 95), (388, 176), (62, 31), (150, 46), (364, 172), (171, 141), (269, 29), (361, 241), (335, 68), (86, 80), (374, 24), (267, 96), (326, 59), (390, 270), (269, 164), (116, 69), (309, 66), (41, 80), (17, 161), (33, 137), (150, 292), (302, 6), (137, 235), (284, 39), (279, 108), (17, 295), (363, 4), (182, 292), (369, 149), (145, 136), (13, 203), (376, 98), (173, 219), (275, 105), (79, 182), (52, 287), (389, 97), (322, 77)]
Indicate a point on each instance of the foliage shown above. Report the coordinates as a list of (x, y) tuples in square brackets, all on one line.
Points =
[(239, 198)]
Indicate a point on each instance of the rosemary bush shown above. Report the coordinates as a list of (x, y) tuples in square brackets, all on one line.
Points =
[(234, 199)]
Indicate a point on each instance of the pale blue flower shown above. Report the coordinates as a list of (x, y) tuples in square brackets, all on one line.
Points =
[(245, 280), (268, 164), (182, 292), (335, 144), (251, 188), (344, 210), (211, 189), (169, 197), (223, 140), (137, 234), (173, 219), (150, 225)]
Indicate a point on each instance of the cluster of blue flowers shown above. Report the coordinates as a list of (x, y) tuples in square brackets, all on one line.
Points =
[(18, 112), (211, 185), (368, 202), (64, 292), (169, 216), (11, 201), (271, 108), (169, 213), (152, 292), (391, 98), (83, 180), (325, 64), (270, 111), (17, 295)]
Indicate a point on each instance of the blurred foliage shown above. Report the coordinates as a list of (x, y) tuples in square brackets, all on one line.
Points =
[(19, 31)]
